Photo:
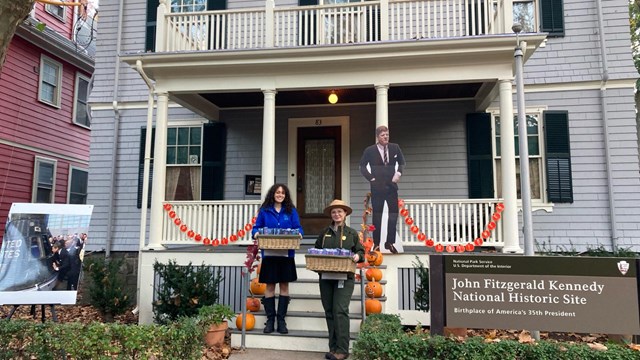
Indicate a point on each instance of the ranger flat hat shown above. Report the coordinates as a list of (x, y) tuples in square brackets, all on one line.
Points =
[(337, 203)]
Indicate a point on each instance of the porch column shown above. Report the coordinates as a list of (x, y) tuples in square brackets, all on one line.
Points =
[(268, 140), (382, 105), (508, 166), (159, 172)]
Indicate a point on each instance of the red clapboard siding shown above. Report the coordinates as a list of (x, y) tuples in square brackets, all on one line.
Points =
[(64, 28), (30, 122)]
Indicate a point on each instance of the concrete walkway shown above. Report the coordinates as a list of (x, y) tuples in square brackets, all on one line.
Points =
[(266, 354)]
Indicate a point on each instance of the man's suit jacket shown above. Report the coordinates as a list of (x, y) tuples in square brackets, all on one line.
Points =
[(383, 174)]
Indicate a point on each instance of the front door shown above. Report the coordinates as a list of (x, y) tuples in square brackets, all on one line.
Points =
[(319, 176)]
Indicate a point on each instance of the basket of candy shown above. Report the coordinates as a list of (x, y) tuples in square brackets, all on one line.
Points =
[(330, 260), (278, 238)]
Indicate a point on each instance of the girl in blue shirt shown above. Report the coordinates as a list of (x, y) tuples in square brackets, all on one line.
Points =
[(278, 266)]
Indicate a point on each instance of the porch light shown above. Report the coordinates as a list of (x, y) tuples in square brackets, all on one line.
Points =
[(333, 97)]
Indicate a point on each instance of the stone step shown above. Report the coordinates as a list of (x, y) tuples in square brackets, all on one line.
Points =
[(313, 303), (295, 340), (305, 321)]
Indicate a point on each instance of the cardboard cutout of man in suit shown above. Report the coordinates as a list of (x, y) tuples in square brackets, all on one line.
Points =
[(382, 165)]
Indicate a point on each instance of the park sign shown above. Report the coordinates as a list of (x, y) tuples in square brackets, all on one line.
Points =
[(571, 294)]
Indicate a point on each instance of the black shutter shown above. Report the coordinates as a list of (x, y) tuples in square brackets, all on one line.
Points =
[(217, 27), (150, 36), (477, 26), (143, 138), (216, 4), (214, 147), (479, 155), (558, 157), (552, 17)]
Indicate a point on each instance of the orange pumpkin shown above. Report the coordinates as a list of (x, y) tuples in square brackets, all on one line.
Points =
[(374, 274), (375, 258), (373, 306), (257, 288), (251, 321), (253, 304), (373, 289)]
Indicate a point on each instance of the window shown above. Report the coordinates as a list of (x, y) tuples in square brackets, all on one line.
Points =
[(549, 156), (195, 162), (78, 179), (58, 11), (183, 163), (80, 109), (176, 6), (534, 139), (43, 180), (50, 78), (524, 13)]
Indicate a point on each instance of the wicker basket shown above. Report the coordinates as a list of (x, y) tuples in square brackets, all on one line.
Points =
[(330, 263), (278, 241)]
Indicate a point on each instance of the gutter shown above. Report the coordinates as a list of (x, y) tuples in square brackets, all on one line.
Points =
[(116, 130), (605, 125)]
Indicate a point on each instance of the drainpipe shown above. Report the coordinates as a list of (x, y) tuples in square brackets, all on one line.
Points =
[(116, 129), (147, 155), (605, 125)]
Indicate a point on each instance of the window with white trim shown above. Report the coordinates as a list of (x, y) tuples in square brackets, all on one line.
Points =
[(188, 5), (81, 97), (50, 81), (535, 140), (184, 148), (58, 11), (78, 180), (44, 175), (525, 13)]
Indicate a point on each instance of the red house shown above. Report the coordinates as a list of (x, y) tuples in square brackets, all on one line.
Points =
[(45, 122)]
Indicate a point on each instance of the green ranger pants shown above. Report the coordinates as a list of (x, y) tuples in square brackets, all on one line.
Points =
[(335, 301)]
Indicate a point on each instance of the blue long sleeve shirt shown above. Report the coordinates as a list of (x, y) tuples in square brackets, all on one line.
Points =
[(270, 218)]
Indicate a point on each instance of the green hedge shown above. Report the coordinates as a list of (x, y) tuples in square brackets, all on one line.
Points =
[(382, 338), (22, 339)]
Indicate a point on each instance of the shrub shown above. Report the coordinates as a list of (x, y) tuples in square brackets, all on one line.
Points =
[(381, 338), (106, 288), (183, 290)]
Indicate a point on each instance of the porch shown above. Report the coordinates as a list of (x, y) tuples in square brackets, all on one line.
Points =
[(329, 24)]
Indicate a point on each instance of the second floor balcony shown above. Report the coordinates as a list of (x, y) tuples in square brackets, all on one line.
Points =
[(330, 24)]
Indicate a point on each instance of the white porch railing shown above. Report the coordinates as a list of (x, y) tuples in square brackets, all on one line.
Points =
[(331, 24), (444, 221), (210, 219), (451, 221)]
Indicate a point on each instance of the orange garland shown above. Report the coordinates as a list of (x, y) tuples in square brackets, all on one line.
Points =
[(450, 248), (206, 241)]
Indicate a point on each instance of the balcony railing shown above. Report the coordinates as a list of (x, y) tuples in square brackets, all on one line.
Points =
[(445, 221), (332, 24)]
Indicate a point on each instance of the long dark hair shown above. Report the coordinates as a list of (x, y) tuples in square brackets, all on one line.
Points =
[(270, 199)]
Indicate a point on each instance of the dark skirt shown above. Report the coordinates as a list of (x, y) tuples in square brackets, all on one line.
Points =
[(277, 269)]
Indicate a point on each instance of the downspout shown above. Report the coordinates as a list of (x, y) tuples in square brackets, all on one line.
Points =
[(605, 125), (116, 130), (145, 176), (147, 155)]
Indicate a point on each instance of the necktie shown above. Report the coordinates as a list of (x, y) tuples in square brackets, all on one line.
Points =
[(386, 156)]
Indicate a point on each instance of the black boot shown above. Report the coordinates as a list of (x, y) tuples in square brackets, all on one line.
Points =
[(270, 310), (283, 304)]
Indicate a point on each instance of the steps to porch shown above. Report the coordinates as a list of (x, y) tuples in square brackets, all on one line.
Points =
[(305, 318)]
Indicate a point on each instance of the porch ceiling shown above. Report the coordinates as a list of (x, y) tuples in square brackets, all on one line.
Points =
[(345, 95)]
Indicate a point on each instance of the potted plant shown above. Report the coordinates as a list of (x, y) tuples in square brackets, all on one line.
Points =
[(213, 319)]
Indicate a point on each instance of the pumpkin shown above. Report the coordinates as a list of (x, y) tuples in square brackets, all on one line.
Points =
[(251, 322), (257, 288), (374, 258), (373, 306), (253, 304), (374, 274), (373, 289)]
